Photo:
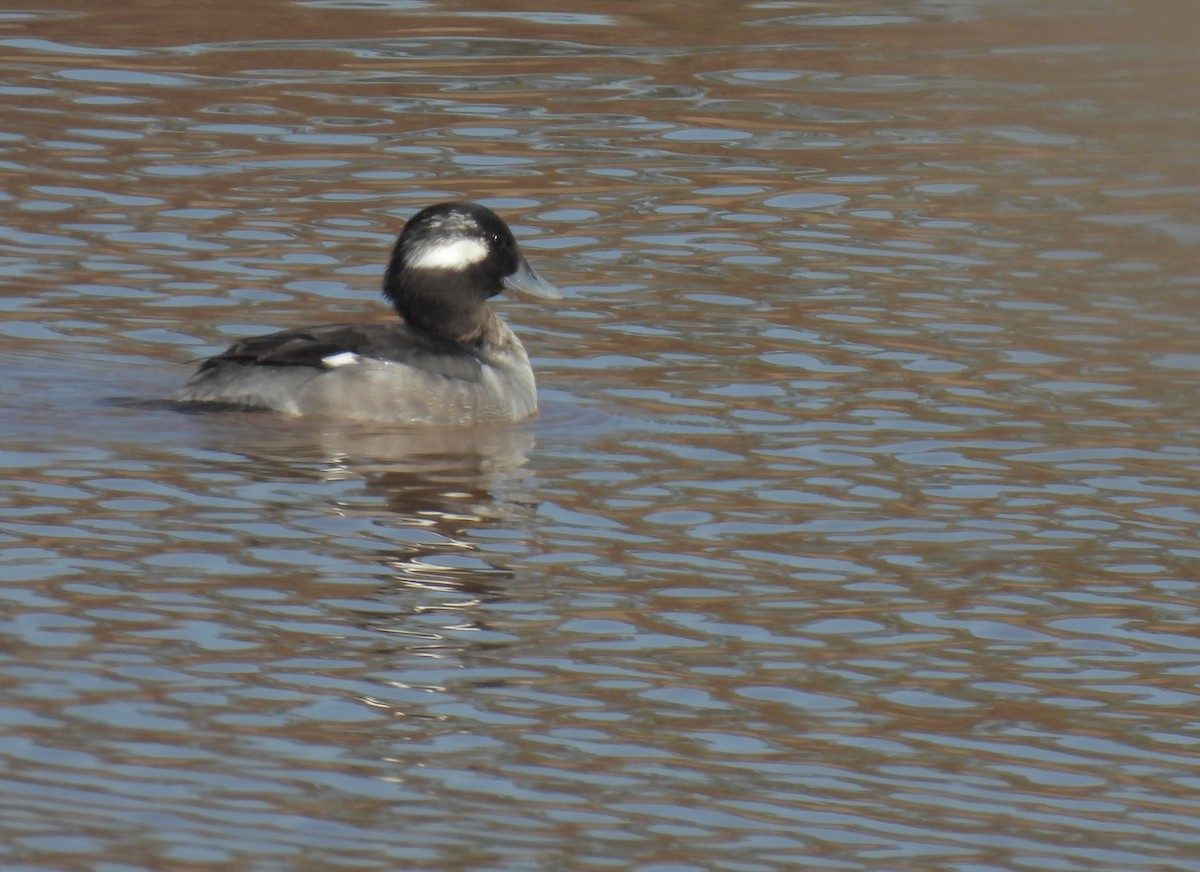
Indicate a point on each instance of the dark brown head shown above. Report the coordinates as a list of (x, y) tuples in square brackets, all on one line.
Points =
[(449, 260)]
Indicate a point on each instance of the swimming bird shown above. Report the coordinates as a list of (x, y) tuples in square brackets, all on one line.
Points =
[(448, 360)]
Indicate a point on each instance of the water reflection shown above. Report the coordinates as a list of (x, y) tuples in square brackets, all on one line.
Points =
[(444, 487)]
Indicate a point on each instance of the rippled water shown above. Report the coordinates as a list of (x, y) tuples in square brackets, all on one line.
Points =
[(860, 531)]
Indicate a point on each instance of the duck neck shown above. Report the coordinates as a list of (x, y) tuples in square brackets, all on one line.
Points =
[(422, 301), (470, 326)]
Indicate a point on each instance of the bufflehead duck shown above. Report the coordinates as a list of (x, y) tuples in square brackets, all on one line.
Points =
[(451, 361)]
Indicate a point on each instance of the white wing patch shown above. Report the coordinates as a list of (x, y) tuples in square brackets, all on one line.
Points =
[(342, 358), (459, 254)]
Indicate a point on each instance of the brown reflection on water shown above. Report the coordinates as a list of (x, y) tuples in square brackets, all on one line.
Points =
[(858, 528)]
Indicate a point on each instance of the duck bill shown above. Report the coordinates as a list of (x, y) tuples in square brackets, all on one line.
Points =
[(529, 282)]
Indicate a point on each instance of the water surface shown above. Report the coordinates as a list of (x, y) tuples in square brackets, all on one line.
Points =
[(860, 528)]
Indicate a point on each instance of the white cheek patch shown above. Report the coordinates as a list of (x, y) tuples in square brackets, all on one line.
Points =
[(459, 254), (342, 358)]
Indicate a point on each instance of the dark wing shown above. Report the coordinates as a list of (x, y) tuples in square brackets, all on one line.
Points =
[(311, 346)]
